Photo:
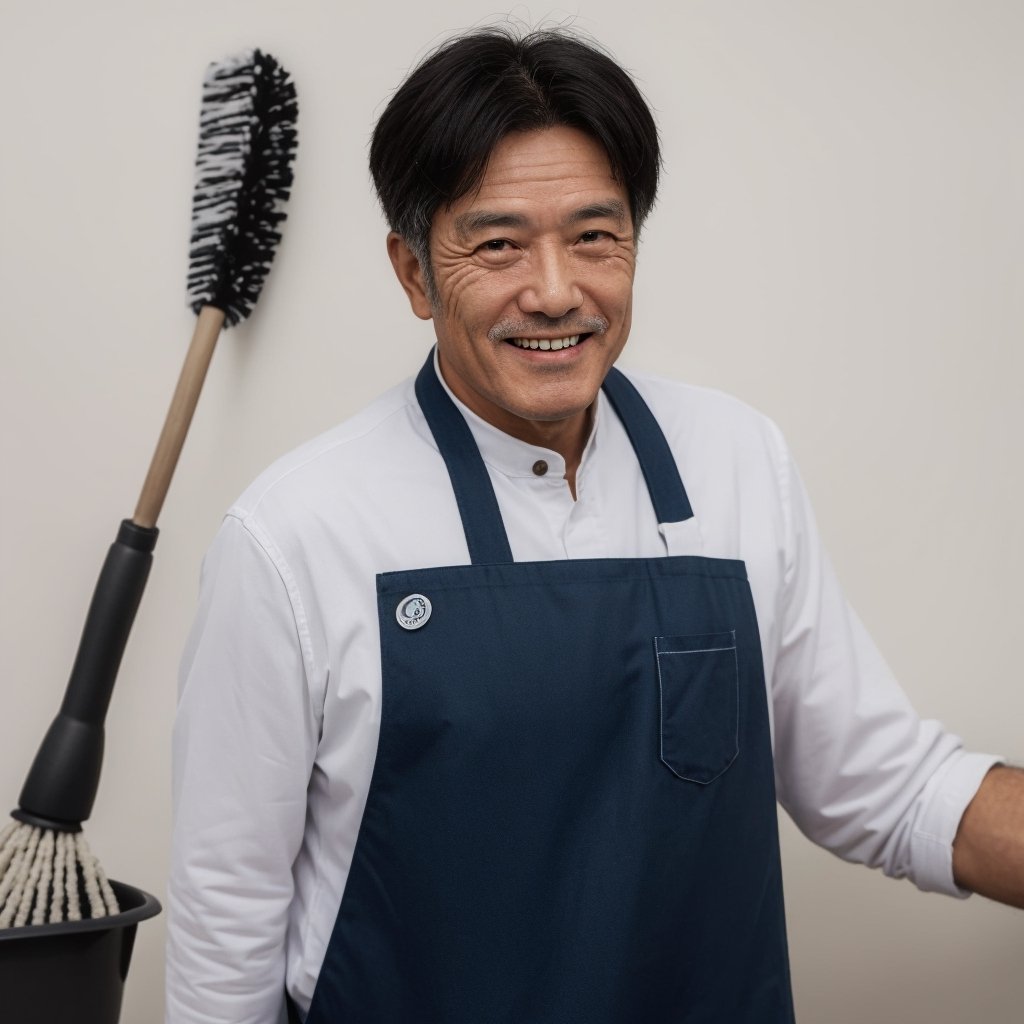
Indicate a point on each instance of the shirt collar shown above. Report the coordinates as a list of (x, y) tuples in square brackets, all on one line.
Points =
[(514, 458)]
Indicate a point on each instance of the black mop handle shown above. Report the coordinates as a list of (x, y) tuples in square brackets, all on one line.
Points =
[(62, 782)]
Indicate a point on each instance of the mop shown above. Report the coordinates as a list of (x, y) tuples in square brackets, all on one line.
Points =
[(247, 141)]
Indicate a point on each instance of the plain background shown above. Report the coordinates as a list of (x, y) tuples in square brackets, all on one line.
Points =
[(839, 241)]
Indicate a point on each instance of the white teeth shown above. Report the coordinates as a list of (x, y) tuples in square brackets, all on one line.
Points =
[(546, 344)]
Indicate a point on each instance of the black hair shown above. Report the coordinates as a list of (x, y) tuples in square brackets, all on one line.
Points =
[(432, 143)]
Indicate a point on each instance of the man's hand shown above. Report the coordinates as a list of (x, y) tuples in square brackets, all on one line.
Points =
[(988, 852)]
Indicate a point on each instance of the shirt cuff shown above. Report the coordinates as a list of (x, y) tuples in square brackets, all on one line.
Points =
[(945, 799)]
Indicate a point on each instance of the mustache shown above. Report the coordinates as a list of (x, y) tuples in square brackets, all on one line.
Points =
[(563, 326)]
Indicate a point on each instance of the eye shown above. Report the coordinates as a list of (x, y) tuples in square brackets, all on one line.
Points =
[(497, 251), (596, 241)]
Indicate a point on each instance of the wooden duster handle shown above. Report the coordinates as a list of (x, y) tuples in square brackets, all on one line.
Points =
[(179, 416)]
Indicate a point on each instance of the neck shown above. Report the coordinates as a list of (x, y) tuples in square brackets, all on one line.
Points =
[(567, 437)]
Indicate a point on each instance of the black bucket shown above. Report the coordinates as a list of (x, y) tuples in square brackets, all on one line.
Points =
[(72, 972)]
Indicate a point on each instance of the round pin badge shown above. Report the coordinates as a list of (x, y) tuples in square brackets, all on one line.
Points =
[(413, 611)]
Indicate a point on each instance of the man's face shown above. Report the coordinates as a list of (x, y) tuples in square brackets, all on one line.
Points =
[(542, 253)]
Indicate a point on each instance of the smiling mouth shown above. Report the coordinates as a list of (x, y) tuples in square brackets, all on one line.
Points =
[(549, 344)]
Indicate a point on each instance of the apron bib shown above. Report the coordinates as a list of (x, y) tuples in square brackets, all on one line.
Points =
[(572, 817)]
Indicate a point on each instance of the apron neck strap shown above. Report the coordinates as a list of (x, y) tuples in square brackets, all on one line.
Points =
[(481, 518), (668, 495)]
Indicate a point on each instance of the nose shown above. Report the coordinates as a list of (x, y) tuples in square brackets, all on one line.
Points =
[(551, 288)]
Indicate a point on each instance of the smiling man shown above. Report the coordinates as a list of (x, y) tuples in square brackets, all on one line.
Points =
[(531, 287), (493, 689)]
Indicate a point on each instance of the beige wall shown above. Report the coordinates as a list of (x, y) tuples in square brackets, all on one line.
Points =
[(840, 241)]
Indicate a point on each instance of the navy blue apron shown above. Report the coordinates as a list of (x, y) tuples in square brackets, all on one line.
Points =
[(572, 815)]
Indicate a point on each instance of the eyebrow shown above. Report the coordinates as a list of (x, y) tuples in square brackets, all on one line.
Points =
[(610, 208), (472, 221)]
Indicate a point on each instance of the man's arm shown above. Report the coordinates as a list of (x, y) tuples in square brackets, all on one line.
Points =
[(244, 742), (856, 767), (988, 852)]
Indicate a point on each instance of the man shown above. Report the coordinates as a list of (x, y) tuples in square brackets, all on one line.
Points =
[(478, 715)]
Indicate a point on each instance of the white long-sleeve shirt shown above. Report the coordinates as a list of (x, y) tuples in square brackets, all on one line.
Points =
[(279, 711)]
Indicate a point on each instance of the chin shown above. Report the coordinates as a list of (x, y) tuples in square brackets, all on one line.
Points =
[(553, 413)]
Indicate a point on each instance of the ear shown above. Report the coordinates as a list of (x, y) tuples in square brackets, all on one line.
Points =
[(410, 275)]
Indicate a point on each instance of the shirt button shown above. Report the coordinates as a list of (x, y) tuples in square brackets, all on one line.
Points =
[(540, 467)]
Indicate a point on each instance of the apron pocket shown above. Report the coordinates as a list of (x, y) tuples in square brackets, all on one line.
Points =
[(698, 679)]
